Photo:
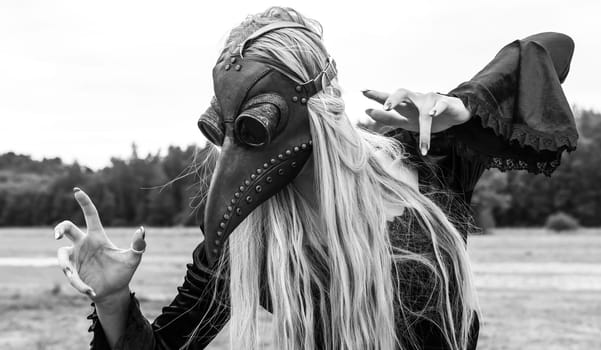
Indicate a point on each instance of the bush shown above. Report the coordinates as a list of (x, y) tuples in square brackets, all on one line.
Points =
[(559, 222), (485, 220)]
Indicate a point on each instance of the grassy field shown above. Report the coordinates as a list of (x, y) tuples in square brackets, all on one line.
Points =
[(537, 290)]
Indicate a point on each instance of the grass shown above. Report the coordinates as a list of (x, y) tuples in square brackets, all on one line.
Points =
[(537, 290)]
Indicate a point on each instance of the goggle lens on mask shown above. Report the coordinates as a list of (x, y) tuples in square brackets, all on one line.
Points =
[(211, 124), (257, 129), (262, 117)]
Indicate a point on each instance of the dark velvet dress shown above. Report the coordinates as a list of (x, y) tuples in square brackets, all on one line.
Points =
[(521, 120)]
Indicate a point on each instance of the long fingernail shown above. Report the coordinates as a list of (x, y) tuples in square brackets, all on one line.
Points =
[(143, 232), (75, 189)]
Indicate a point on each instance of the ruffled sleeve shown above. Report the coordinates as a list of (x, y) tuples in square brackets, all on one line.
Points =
[(201, 305), (521, 118)]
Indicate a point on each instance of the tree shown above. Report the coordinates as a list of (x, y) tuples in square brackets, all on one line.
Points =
[(489, 196)]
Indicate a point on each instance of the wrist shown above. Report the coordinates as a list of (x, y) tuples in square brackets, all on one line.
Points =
[(113, 311), (115, 302)]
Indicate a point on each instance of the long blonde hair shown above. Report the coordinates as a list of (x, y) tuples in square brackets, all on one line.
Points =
[(335, 276)]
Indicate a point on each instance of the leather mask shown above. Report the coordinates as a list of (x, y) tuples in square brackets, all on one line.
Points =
[(259, 117)]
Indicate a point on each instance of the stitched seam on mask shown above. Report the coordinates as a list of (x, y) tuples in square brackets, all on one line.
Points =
[(239, 106)]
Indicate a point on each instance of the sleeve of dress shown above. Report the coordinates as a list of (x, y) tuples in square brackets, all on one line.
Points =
[(446, 174), (202, 301), (521, 118)]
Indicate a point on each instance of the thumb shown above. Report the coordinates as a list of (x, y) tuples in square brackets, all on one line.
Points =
[(138, 244)]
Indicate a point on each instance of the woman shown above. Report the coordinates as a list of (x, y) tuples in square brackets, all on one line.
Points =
[(320, 222)]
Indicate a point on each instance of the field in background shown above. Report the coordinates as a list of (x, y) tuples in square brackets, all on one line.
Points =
[(537, 290)]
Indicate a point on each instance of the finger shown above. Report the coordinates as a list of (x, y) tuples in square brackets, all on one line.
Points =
[(138, 244), (439, 107), (65, 255), (398, 98), (388, 118), (67, 228), (377, 96), (425, 128), (89, 210)]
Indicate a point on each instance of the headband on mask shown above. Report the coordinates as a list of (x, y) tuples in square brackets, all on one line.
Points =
[(260, 119), (312, 86), (269, 28)]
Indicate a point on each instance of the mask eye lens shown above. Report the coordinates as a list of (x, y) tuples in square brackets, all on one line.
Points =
[(257, 125), (252, 132), (210, 132), (211, 126)]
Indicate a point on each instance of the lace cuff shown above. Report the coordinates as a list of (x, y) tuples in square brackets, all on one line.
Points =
[(480, 102), (513, 157), (497, 143)]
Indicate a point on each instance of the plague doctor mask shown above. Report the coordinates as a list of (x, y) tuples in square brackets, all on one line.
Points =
[(259, 118)]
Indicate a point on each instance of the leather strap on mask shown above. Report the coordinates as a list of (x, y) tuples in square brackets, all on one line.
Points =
[(269, 28), (310, 87)]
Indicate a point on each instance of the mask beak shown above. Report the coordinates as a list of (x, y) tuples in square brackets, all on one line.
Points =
[(243, 179)]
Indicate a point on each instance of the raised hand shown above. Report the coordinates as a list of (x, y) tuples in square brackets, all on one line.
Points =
[(93, 264), (420, 112)]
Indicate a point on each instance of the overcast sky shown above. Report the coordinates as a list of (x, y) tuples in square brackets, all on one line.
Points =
[(83, 80)]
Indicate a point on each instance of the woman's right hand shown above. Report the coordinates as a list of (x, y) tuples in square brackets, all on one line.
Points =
[(418, 112), (93, 264)]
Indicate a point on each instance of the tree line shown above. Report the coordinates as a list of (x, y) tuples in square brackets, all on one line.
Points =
[(164, 190), (153, 190)]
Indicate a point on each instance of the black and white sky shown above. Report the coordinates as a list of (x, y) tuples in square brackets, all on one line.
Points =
[(84, 79)]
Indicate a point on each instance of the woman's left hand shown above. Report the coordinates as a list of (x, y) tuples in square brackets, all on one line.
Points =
[(420, 112)]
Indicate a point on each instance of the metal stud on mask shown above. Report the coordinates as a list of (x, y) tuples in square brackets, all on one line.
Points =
[(260, 119)]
